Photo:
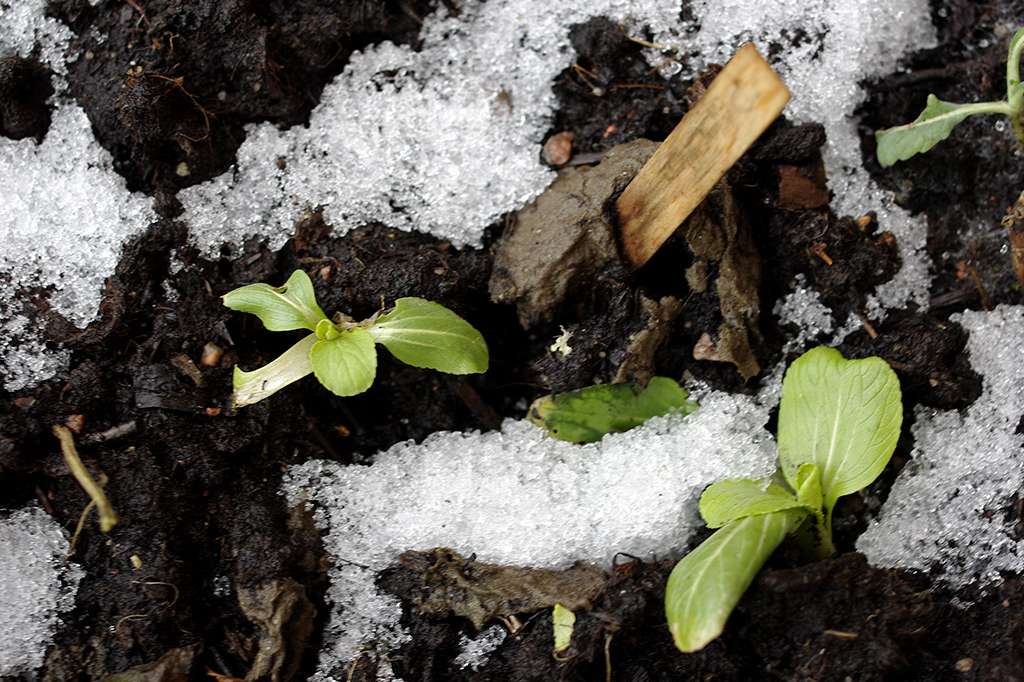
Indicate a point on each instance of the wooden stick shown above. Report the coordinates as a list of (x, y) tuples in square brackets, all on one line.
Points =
[(738, 106)]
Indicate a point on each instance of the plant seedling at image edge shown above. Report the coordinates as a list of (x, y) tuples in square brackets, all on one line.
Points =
[(939, 118), (342, 353), (839, 421)]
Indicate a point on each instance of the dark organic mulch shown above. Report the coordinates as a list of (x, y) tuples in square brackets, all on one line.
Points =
[(196, 485)]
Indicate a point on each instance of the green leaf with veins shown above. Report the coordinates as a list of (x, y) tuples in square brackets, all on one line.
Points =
[(843, 416), (586, 415), (292, 306), (422, 333), (292, 365), (707, 583), (345, 365), (734, 499)]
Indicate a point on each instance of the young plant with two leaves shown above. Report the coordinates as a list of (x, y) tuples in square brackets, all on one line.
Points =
[(839, 421), (939, 118), (342, 353)]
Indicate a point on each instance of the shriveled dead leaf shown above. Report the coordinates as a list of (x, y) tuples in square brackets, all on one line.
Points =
[(285, 617), (173, 665), (719, 232), (454, 585)]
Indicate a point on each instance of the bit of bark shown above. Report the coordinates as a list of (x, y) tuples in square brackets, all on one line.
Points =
[(719, 232)]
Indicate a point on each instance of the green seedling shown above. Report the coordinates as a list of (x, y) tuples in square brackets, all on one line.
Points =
[(839, 421), (586, 415), (342, 353), (939, 118)]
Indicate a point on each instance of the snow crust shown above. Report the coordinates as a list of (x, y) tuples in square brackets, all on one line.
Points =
[(444, 139), (36, 586), (519, 497), (64, 216), (954, 503)]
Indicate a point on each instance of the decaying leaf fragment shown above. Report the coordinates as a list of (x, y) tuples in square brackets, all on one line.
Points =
[(561, 241), (718, 233), (285, 617), (454, 585)]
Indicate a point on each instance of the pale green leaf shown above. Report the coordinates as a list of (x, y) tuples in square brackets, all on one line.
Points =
[(347, 364), (422, 333), (706, 585), (842, 415), (292, 306), (934, 124), (292, 365), (564, 623), (808, 487), (586, 415), (734, 499)]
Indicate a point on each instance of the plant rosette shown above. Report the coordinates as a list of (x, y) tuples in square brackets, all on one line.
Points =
[(342, 353), (839, 421)]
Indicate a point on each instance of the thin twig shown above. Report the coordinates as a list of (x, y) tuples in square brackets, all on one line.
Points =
[(108, 517)]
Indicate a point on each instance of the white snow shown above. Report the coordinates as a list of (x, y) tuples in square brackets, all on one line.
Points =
[(24, 28), (444, 139), (64, 215), (36, 586), (519, 497), (954, 503)]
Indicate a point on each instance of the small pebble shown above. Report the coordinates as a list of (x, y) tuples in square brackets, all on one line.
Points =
[(558, 149)]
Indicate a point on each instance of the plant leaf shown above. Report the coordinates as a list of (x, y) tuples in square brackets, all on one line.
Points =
[(347, 364), (422, 333), (564, 623), (934, 124), (292, 365), (586, 415), (842, 415), (707, 583), (734, 499), (281, 309)]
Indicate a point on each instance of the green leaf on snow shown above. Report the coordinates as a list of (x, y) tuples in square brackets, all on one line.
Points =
[(587, 415)]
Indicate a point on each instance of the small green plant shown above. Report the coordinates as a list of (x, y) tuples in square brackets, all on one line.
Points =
[(342, 353), (939, 118), (839, 421)]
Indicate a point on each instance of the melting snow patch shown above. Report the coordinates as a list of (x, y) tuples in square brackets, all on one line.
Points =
[(443, 139), (951, 506), (519, 497), (64, 215), (36, 586)]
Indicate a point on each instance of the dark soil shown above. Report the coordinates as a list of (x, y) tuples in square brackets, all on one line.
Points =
[(196, 485)]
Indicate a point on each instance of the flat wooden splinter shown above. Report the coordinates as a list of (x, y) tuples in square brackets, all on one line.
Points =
[(739, 105)]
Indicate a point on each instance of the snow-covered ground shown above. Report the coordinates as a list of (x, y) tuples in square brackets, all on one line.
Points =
[(435, 146)]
